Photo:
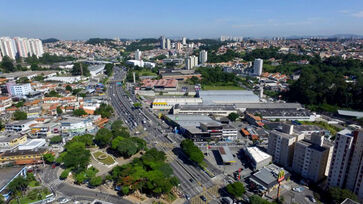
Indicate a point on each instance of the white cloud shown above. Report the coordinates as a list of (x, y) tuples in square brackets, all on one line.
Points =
[(358, 14)]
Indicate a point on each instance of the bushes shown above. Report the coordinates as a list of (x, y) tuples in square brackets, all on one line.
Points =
[(64, 174), (56, 139)]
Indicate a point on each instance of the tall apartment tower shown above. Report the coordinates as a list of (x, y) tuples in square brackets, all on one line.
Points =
[(7, 47), (203, 56), (191, 62), (346, 169), (281, 145), (162, 42), (178, 46), (257, 67), (184, 40), (168, 44), (312, 157), (137, 54)]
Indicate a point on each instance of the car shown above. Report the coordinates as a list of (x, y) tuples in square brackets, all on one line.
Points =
[(203, 198), (187, 196), (311, 198), (63, 200), (191, 180), (298, 189)]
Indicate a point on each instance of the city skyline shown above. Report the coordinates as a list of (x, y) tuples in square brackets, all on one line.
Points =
[(82, 20)]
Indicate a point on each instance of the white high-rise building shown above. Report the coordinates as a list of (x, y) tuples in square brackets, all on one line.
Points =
[(203, 56), (7, 47), (20, 89), (21, 47), (184, 40), (162, 42), (346, 168), (257, 67), (191, 62), (168, 44), (137, 54)]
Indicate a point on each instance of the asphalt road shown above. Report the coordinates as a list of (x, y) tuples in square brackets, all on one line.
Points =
[(193, 180)]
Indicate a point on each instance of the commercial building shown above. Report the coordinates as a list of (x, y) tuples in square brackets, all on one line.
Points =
[(346, 169), (226, 155), (166, 103), (312, 158), (10, 141), (76, 126), (32, 144), (281, 145), (203, 57), (257, 158), (253, 120), (65, 79), (257, 67), (180, 76), (23, 156), (140, 63), (202, 128), (96, 69), (159, 85), (218, 110), (266, 179), (45, 130), (137, 54), (191, 62), (18, 89), (228, 97)]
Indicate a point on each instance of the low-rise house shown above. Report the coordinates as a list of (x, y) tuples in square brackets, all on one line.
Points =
[(21, 157), (21, 125)]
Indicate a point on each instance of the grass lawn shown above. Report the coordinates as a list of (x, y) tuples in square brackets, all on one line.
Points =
[(147, 73), (211, 87), (108, 160)]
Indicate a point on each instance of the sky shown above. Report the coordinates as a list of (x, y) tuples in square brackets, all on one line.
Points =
[(83, 19)]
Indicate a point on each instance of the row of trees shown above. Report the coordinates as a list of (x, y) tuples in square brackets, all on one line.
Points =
[(148, 174), (192, 151), (108, 69), (80, 69)]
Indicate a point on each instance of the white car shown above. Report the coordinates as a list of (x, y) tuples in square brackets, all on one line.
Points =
[(63, 200)]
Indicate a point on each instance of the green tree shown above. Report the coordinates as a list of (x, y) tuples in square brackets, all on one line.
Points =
[(192, 151), (255, 199), (23, 80), (19, 104), (87, 139), (233, 116), (79, 112), (236, 189), (337, 195), (104, 110), (80, 69), (64, 174), (49, 158), (103, 137), (52, 93), (108, 69), (69, 88), (76, 157), (20, 115), (118, 129), (137, 105), (18, 185), (59, 110), (80, 177), (96, 181), (7, 64), (56, 139)]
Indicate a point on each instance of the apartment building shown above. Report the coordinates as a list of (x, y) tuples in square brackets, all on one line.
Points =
[(281, 145), (312, 158), (346, 169)]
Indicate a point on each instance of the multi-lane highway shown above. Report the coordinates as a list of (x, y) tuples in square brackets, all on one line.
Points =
[(193, 180)]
